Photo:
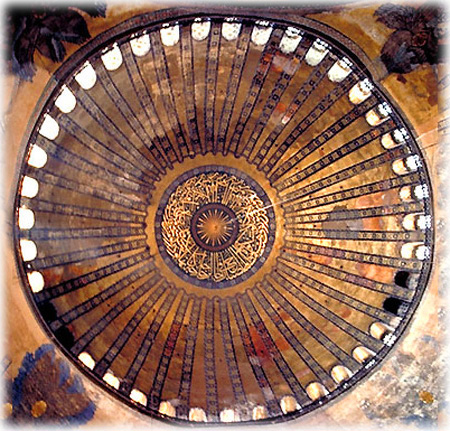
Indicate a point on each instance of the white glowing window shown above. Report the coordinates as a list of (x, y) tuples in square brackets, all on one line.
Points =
[(399, 167), (362, 354), (384, 109), (379, 114), (197, 414), (49, 128), (112, 380), (316, 53), (416, 250), (36, 281), (423, 252), (400, 135), (37, 157), (28, 249), (340, 70), (289, 404), (373, 118), (261, 32), (290, 40), (230, 29), (25, 218), (140, 45), (339, 373), (259, 412), (229, 415), (138, 397), (397, 137), (86, 77), (378, 330), (200, 29), (413, 162), (408, 249), (66, 101), (170, 35), (417, 221), (410, 164), (112, 58), (424, 222), (167, 408), (316, 390), (409, 221), (388, 142), (405, 193), (30, 187), (360, 91), (87, 360), (421, 192)]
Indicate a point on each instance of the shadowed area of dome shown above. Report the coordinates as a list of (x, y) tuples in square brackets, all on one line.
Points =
[(222, 218)]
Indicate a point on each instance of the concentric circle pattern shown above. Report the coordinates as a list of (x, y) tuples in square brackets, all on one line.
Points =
[(222, 218), (213, 228)]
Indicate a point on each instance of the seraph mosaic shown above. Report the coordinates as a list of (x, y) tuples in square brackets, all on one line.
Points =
[(46, 29), (46, 391), (418, 36)]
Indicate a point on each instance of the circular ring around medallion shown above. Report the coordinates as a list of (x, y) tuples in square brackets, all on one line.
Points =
[(215, 226)]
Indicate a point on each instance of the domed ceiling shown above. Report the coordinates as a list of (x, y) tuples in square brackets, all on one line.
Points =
[(222, 218)]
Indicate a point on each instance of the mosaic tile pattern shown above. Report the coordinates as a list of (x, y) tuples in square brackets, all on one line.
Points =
[(290, 109)]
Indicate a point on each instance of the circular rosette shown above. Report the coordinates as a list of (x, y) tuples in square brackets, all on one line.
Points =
[(214, 226)]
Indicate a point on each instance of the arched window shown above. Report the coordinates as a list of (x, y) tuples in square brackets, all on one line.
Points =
[(167, 408), (28, 249), (289, 404), (87, 360), (25, 218), (316, 391), (340, 374), (395, 306), (362, 354), (401, 278), (261, 32), (197, 414), (49, 128), (66, 101), (317, 52), (340, 70), (111, 379), (360, 91), (229, 415), (30, 187), (36, 281), (259, 412), (138, 397), (86, 77)]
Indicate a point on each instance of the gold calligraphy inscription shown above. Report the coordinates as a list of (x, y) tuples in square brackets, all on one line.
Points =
[(214, 226)]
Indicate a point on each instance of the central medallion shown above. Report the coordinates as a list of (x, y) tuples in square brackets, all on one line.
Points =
[(215, 226)]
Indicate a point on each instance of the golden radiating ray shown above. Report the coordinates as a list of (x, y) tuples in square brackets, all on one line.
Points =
[(214, 227)]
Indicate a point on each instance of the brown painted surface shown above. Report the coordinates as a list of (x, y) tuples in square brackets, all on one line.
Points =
[(397, 393)]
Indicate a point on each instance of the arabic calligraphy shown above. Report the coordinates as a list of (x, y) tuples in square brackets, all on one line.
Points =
[(215, 226)]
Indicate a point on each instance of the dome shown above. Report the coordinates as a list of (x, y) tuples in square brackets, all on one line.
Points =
[(221, 218)]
